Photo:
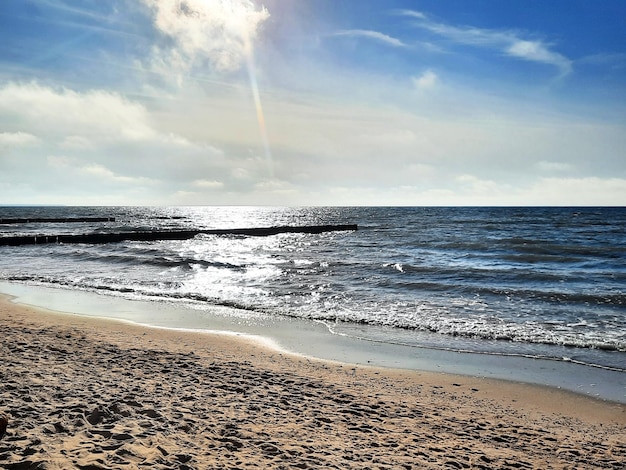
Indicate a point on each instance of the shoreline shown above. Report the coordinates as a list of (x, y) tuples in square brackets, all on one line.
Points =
[(314, 340), (83, 392)]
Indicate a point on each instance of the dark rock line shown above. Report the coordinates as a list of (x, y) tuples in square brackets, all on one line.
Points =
[(56, 220), (98, 238)]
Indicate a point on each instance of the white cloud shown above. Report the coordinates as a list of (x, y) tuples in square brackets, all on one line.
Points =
[(275, 186), (511, 43), (99, 172), (104, 174), (83, 120), (426, 81), (412, 13), (92, 114), (538, 52), (374, 35), (208, 184), (217, 31), (93, 141), (17, 139)]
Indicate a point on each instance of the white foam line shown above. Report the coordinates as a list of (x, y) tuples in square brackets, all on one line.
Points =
[(469, 351)]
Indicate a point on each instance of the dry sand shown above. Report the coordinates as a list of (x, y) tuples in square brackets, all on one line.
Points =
[(91, 394)]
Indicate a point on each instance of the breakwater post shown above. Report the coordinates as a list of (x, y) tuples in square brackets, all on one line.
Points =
[(99, 238), (55, 220)]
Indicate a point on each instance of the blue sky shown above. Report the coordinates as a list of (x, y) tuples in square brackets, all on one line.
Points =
[(325, 102)]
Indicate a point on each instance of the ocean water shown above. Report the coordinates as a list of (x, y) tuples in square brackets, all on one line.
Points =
[(534, 282)]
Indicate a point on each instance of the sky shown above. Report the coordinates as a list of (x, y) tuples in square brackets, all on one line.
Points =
[(313, 102)]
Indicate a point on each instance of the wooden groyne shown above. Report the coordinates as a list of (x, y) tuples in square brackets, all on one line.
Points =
[(99, 238), (55, 220)]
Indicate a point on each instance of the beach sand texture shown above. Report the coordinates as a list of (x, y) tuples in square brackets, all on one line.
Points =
[(95, 394)]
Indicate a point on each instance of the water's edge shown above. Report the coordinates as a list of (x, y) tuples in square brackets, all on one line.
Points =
[(315, 339)]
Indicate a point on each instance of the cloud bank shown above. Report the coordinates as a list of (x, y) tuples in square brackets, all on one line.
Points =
[(89, 143), (86, 145)]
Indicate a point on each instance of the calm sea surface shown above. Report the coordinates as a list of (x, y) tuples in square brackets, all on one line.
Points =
[(539, 282)]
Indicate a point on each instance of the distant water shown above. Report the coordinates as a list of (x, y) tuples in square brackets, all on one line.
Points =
[(537, 282)]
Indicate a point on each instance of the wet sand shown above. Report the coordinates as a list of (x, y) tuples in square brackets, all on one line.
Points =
[(86, 393)]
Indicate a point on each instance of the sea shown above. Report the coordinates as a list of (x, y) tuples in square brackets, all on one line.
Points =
[(534, 282)]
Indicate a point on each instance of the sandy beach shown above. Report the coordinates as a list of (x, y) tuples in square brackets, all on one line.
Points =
[(85, 393)]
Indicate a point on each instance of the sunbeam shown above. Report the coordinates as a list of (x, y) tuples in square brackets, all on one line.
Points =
[(254, 86)]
